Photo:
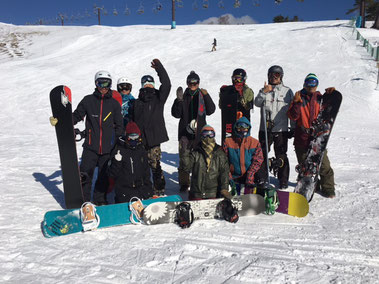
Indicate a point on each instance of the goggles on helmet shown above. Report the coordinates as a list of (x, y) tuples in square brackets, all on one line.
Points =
[(124, 86), (242, 127), (103, 83), (238, 79), (311, 83), (208, 133)]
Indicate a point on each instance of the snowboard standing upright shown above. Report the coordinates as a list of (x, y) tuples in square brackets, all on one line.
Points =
[(61, 106), (228, 104), (321, 129)]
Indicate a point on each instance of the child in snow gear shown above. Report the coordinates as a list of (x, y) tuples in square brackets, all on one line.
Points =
[(304, 109), (244, 154), (209, 167), (148, 114), (191, 107), (103, 121), (274, 99), (238, 95), (129, 167), (124, 87)]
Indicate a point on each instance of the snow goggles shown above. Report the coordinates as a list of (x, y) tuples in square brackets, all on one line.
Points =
[(274, 75), (193, 82), (311, 82), (238, 79), (124, 86), (208, 133), (103, 83), (242, 127), (147, 78), (133, 137)]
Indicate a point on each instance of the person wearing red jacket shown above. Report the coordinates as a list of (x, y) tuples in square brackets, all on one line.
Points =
[(304, 109)]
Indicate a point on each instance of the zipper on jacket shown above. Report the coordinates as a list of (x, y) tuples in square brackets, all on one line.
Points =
[(90, 137), (131, 163), (101, 128)]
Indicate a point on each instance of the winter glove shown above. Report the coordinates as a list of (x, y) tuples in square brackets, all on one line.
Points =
[(291, 133), (225, 193), (204, 92), (179, 94), (118, 156), (297, 98), (329, 90), (191, 127), (53, 121), (267, 88), (155, 63)]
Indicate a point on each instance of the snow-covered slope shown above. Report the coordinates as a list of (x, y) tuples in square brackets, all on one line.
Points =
[(335, 243)]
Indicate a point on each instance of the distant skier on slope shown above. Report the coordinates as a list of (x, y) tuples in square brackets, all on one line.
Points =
[(214, 44), (191, 107), (275, 99), (304, 109)]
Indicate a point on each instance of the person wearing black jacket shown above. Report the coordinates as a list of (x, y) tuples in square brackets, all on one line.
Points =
[(148, 114), (103, 121), (129, 167), (191, 108)]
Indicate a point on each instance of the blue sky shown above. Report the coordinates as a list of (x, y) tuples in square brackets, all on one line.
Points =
[(21, 12)]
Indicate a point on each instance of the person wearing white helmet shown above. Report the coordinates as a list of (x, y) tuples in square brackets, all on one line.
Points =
[(124, 87), (103, 121)]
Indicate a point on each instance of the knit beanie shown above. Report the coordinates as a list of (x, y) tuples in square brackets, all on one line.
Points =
[(132, 127)]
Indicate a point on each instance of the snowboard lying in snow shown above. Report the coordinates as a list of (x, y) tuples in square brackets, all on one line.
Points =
[(164, 212), (65, 222)]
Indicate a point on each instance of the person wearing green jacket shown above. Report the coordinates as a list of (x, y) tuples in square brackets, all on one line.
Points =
[(209, 167)]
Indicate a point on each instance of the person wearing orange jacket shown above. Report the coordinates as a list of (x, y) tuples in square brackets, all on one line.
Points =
[(304, 109)]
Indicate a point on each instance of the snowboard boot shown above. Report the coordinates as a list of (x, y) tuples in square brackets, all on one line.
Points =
[(90, 220)]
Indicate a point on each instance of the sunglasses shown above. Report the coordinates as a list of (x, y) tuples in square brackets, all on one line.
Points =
[(275, 75), (193, 83), (103, 83), (208, 133)]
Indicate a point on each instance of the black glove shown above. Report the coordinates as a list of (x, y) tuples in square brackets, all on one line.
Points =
[(155, 63), (179, 94)]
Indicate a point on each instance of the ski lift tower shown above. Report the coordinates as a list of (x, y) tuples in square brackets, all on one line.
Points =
[(173, 23)]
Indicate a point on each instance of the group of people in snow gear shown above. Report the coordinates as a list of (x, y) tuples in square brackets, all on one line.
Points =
[(124, 142)]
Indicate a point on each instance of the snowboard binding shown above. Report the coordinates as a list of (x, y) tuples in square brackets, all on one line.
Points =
[(228, 211), (136, 208), (90, 220), (271, 200), (275, 164), (184, 215), (82, 134)]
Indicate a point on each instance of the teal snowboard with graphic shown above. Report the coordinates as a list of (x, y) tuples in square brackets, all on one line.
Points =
[(65, 222)]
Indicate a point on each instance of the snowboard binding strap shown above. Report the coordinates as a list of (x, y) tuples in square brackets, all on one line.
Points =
[(90, 220), (228, 211), (184, 215), (136, 208), (271, 200)]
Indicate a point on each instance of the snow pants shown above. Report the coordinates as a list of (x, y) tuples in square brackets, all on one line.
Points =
[(154, 155), (91, 160)]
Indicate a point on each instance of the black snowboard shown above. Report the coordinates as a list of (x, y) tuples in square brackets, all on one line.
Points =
[(60, 100), (321, 129), (228, 104)]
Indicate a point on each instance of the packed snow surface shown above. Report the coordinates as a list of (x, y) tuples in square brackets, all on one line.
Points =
[(336, 243)]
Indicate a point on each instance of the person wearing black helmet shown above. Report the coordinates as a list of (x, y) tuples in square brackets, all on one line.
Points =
[(235, 99), (147, 112), (275, 98), (191, 107)]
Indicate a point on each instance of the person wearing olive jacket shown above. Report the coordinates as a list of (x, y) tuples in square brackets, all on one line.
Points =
[(147, 113), (209, 167), (191, 107)]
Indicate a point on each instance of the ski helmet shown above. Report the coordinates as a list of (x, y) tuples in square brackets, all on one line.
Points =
[(276, 69), (239, 74), (123, 84), (193, 78), (147, 80), (311, 80), (103, 79)]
